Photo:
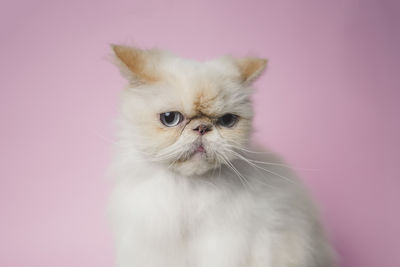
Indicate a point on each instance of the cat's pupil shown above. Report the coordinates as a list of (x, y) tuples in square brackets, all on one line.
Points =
[(227, 119), (169, 117)]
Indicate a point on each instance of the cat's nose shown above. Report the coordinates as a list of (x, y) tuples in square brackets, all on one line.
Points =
[(203, 128)]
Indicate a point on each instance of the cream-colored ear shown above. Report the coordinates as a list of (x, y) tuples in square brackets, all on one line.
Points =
[(139, 66), (250, 68)]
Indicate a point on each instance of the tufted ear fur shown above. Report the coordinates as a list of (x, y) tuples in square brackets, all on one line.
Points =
[(137, 65), (250, 68)]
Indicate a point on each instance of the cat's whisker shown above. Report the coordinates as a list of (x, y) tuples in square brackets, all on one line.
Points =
[(261, 168), (166, 157), (168, 153), (230, 165), (254, 152), (272, 163), (238, 146), (283, 165), (102, 137), (176, 160), (214, 167)]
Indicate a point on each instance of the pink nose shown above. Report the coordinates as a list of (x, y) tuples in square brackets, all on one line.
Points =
[(203, 129)]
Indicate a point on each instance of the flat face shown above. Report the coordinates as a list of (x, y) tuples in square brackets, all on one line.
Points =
[(201, 95)]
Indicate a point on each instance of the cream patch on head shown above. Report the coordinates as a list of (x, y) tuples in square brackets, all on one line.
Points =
[(206, 97)]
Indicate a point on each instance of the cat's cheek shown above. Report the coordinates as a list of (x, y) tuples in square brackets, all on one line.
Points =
[(157, 137), (238, 134)]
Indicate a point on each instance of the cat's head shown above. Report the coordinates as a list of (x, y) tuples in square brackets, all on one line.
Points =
[(190, 116)]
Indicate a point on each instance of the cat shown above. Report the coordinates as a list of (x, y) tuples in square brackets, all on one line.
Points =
[(190, 190)]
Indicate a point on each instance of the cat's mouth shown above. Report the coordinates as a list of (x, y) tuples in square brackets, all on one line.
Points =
[(201, 149), (197, 151)]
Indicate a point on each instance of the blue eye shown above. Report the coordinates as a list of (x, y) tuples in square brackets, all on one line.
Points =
[(228, 120), (171, 119)]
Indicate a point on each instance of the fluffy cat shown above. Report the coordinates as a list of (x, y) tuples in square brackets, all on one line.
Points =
[(190, 191)]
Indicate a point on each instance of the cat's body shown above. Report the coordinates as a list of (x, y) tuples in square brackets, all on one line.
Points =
[(191, 192)]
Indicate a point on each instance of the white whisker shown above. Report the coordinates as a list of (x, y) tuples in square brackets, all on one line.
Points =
[(261, 168), (270, 163), (242, 179)]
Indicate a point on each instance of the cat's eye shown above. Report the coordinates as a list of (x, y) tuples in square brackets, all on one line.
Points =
[(228, 120), (171, 119)]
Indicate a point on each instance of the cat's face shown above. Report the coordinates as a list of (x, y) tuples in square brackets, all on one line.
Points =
[(190, 116)]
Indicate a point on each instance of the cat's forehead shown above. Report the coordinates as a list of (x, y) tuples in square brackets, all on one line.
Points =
[(198, 89), (190, 86), (203, 92)]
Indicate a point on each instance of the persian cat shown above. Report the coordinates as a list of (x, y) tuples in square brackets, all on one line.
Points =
[(189, 188)]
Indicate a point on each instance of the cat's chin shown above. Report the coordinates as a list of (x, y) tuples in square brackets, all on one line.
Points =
[(197, 164)]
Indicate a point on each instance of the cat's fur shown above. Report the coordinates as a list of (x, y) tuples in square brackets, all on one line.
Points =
[(173, 206)]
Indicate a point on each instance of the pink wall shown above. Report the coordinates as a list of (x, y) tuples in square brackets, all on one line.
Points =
[(329, 102)]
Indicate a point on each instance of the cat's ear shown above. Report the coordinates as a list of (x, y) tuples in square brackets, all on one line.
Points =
[(137, 65), (250, 68)]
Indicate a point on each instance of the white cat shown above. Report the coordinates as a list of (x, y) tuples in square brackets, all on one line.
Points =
[(189, 189)]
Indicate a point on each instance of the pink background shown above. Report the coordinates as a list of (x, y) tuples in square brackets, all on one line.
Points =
[(328, 102)]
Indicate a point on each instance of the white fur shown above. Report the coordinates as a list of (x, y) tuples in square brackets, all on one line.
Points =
[(201, 213)]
